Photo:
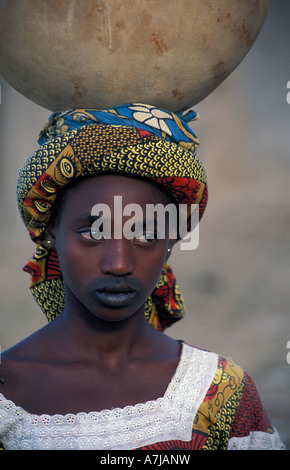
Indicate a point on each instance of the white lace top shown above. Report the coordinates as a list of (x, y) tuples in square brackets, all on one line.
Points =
[(167, 418)]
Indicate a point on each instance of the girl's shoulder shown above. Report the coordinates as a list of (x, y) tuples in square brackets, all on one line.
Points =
[(20, 362)]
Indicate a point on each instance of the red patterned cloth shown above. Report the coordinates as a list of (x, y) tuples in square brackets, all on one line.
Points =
[(231, 416)]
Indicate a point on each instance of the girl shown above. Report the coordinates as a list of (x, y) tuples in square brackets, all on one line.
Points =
[(102, 374)]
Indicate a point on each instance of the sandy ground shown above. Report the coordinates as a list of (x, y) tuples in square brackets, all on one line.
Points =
[(236, 284)]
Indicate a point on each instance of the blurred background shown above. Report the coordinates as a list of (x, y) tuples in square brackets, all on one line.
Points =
[(236, 284)]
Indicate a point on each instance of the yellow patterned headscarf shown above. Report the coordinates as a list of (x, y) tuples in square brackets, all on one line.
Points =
[(137, 140)]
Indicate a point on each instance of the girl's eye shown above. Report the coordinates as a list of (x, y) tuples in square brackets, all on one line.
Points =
[(91, 235), (146, 237), (98, 235)]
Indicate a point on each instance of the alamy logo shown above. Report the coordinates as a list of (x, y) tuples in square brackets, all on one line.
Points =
[(158, 220), (288, 94), (288, 354)]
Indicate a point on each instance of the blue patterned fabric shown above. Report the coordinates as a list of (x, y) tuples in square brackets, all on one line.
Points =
[(164, 124)]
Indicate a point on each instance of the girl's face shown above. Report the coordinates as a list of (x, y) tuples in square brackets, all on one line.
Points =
[(110, 275)]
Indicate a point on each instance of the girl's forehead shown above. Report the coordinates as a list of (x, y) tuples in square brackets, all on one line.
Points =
[(104, 188)]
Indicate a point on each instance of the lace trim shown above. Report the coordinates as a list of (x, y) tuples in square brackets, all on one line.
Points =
[(167, 418), (257, 440)]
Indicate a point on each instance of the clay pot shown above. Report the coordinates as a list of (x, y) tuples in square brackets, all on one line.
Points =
[(101, 53)]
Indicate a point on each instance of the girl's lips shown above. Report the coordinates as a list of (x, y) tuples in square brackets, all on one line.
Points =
[(113, 298), (116, 292)]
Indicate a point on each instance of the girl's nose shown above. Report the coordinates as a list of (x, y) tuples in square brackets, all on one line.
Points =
[(117, 257)]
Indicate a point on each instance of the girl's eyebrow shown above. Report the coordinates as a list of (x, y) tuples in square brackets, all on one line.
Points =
[(87, 218), (145, 223), (93, 218)]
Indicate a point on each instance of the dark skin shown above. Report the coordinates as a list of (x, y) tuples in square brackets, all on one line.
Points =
[(97, 354)]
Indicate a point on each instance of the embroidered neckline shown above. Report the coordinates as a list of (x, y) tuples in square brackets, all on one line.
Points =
[(182, 358), (166, 418)]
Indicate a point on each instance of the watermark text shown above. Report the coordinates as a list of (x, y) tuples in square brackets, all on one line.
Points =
[(179, 222)]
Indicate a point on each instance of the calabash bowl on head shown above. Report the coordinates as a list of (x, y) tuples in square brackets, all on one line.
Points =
[(103, 53)]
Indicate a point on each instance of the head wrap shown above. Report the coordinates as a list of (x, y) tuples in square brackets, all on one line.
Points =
[(137, 140)]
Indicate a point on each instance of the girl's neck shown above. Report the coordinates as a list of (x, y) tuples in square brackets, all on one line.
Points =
[(88, 337)]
